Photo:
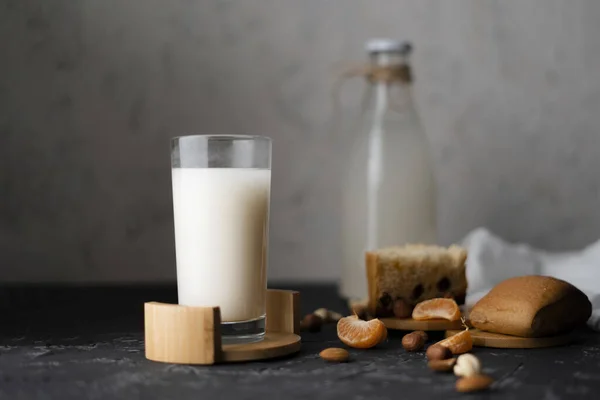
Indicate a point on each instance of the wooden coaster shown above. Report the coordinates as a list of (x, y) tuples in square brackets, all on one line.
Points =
[(498, 340), (409, 324), (275, 344), (191, 335)]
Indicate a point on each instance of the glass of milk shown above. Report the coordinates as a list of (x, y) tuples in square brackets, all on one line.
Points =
[(221, 192)]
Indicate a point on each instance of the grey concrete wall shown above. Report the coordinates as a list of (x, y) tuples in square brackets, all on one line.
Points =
[(91, 91)]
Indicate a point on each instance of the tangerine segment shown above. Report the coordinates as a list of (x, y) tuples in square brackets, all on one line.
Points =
[(360, 334), (437, 308), (460, 343)]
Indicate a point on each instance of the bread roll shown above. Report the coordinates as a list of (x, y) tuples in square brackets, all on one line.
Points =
[(531, 306)]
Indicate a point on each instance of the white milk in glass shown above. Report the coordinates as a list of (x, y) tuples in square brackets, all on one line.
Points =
[(221, 233)]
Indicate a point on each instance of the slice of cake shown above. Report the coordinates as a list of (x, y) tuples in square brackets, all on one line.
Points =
[(400, 277)]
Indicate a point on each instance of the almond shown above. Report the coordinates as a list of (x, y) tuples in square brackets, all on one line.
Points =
[(442, 365), (473, 383), (334, 354)]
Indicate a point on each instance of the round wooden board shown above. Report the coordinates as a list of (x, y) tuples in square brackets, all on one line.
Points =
[(498, 340), (275, 344), (409, 324)]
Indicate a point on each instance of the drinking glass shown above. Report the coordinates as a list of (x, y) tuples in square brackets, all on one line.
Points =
[(221, 196)]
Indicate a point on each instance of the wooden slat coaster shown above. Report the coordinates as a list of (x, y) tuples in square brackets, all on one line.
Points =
[(498, 340), (409, 324), (191, 335)]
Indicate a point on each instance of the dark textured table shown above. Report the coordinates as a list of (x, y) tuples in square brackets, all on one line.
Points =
[(74, 343)]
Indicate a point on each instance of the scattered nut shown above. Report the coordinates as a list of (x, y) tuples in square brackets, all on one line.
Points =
[(424, 334), (437, 352), (334, 354), (413, 341), (473, 383), (467, 365), (402, 309), (442, 365), (328, 315), (311, 323), (323, 313)]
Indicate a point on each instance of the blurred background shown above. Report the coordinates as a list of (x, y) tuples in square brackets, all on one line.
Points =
[(91, 92)]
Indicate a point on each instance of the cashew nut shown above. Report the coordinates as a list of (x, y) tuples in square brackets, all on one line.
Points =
[(467, 365), (328, 315)]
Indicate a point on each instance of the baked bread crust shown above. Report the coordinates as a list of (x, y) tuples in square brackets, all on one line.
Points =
[(531, 306), (414, 273)]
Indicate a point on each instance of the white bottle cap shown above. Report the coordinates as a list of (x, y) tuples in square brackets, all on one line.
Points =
[(388, 46)]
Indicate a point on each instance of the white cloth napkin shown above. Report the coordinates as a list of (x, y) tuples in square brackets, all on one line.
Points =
[(492, 260)]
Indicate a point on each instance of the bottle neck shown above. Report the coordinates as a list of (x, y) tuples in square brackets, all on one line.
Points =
[(387, 59), (390, 82), (389, 67)]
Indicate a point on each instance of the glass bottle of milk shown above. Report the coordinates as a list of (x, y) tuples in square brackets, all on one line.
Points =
[(388, 188)]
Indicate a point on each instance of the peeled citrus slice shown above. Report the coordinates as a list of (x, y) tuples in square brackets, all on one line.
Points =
[(437, 308), (460, 343), (360, 334)]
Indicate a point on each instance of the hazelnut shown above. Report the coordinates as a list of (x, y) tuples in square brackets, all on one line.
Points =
[(402, 309), (424, 334), (311, 323), (413, 341), (438, 352), (467, 365)]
